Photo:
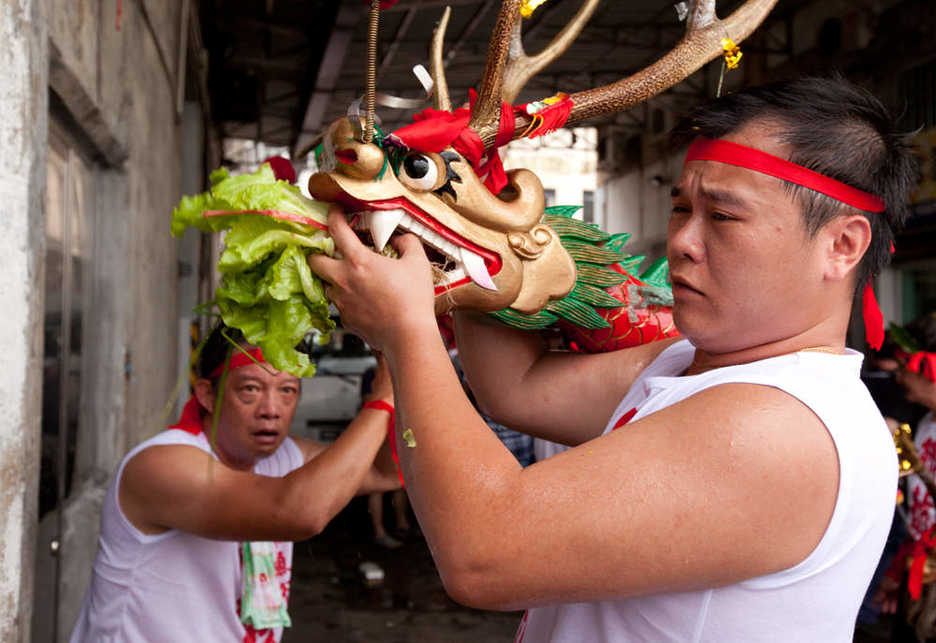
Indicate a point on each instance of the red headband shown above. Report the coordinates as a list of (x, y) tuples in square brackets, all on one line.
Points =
[(191, 419), (238, 359), (706, 149)]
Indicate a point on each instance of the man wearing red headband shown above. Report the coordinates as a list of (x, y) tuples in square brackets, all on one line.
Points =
[(737, 485), (196, 529)]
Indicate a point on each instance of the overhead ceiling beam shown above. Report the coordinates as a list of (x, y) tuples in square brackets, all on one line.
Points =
[(328, 73), (397, 39)]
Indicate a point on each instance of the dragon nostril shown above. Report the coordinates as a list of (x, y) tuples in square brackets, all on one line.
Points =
[(346, 156)]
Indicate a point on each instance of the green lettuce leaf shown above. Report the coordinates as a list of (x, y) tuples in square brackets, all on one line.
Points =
[(267, 289), (251, 238)]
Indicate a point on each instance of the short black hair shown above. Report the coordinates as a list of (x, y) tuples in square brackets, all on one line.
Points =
[(832, 127), (216, 349)]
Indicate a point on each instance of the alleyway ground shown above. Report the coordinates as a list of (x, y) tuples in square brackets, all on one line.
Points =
[(329, 602)]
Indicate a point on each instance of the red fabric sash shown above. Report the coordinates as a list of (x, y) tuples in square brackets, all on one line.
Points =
[(624, 419), (191, 418)]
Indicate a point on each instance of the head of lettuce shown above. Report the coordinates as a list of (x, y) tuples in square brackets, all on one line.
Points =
[(267, 289)]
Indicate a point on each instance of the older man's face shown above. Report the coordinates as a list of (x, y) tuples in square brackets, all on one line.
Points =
[(744, 269), (256, 411)]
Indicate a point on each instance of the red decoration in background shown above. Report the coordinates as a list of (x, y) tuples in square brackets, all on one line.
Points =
[(282, 168), (917, 551), (922, 362)]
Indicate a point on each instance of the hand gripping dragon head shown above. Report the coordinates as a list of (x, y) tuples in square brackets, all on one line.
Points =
[(495, 248)]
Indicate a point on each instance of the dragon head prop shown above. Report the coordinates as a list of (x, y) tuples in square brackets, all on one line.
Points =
[(496, 248)]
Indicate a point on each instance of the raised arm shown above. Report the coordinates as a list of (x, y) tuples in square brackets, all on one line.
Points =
[(182, 487), (559, 396)]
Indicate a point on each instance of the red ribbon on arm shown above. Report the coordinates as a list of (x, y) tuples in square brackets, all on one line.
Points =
[(380, 405)]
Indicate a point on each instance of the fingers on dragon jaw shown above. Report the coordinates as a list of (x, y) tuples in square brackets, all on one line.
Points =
[(492, 251)]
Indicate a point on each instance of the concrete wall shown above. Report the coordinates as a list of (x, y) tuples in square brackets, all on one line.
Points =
[(116, 76), (23, 126)]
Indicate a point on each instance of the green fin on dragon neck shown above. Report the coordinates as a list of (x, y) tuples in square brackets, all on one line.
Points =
[(594, 251)]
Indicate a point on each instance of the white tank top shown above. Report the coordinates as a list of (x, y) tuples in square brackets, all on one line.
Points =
[(815, 600), (174, 586)]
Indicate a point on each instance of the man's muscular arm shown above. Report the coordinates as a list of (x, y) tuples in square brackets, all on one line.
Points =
[(520, 383)]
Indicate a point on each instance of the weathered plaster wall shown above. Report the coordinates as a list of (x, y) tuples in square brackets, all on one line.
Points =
[(118, 86), (23, 126)]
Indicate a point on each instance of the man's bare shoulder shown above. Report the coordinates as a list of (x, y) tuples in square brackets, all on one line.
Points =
[(764, 455), (759, 423), (165, 468), (161, 476)]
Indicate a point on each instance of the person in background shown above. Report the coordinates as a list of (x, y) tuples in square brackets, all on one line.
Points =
[(197, 526), (915, 373)]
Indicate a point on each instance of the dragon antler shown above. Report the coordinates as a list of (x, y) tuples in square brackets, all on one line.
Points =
[(440, 98), (486, 112), (521, 67), (701, 44)]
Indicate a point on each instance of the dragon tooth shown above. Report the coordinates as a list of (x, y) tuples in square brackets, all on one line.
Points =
[(434, 239), (382, 224), (450, 249), (474, 266)]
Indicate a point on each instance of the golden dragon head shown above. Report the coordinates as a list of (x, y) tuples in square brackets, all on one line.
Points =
[(440, 178)]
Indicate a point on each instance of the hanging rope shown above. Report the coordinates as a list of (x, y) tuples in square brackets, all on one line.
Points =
[(371, 70)]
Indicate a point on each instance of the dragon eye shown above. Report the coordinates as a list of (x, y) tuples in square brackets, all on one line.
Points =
[(421, 171)]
